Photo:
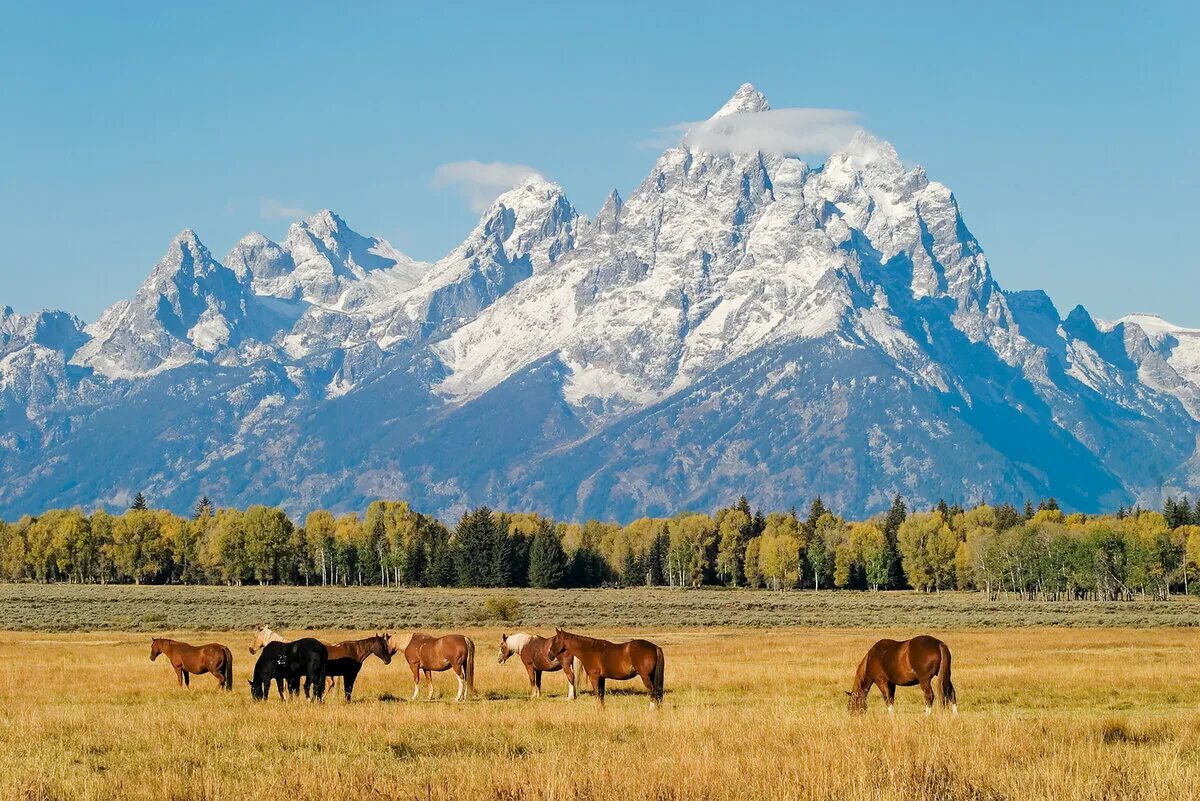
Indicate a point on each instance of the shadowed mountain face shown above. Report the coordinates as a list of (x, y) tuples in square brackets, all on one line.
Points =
[(743, 322)]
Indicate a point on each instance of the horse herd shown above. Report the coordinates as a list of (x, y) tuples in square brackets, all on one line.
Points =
[(887, 665)]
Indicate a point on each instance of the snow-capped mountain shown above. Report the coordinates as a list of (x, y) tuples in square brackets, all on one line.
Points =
[(742, 322)]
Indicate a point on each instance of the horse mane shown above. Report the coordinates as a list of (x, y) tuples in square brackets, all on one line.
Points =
[(584, 637), (517, 640)]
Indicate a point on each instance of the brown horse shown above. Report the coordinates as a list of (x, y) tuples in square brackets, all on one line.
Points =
[(213, 658), (891, 664), (451, 652), (602, 659), (346, 659), (535, 655)]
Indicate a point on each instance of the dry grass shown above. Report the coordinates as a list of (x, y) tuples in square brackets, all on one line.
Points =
[(64, 607), (1080, 714)]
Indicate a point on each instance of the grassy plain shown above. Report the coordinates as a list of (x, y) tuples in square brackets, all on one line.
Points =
[(67, 607), (1080, 713)]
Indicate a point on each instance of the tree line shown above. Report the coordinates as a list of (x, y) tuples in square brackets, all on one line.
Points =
[(1035, 552)]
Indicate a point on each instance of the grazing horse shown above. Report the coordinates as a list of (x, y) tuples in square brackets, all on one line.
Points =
[(262, 636), (602, 659), (345, 659), (213, 658), (305, 658), (535, 655), (451, 652), (891, 664)]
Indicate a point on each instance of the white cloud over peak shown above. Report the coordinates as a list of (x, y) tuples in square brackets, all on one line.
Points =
[(273, 209), (783, 132), (481, 182)]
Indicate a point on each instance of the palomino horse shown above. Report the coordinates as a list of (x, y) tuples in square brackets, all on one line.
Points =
[(535, 655), (262, 636), (346, 658), (890, 664), (451, 652), (213, 658), (602, 659)]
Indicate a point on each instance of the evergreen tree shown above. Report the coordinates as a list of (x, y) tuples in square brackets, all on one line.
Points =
[(1007, 517), (760, 523), (743, 506), (503, 571), (475, 548), (657, 557), (943, 507), (547, 559), (1029, 510), (203, 508), (815, 511), (891, 526), (633, 570), (139, 503)]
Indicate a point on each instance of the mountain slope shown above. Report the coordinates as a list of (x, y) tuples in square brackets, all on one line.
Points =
[(741, 322)]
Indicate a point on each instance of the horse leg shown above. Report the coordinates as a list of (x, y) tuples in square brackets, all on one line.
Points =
[(569, 672), (532, 673), (416, 671), (179, 675), (598, 686), (648, 680), (537, 680), (460, 673), (429, 681), (348, 685), (927, 689), (888, 691), (187, 681)]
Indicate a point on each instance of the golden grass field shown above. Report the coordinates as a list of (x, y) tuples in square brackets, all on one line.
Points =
[(749, 713)]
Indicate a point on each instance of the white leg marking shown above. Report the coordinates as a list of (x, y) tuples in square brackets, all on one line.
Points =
[(928, 710), (891, 709), (954, 708)]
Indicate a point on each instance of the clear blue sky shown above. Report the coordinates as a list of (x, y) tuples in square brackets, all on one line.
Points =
[(1069, 137)]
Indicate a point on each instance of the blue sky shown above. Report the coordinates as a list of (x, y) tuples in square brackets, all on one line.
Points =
[(1069, 137)]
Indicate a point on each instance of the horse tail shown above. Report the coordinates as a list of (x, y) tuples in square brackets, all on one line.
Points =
[(948, 694), (228, 675), (659, 665), (470, 666)]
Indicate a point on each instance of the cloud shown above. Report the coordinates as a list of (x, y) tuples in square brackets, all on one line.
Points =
[(782, 132), (479, 182), (273, 209)]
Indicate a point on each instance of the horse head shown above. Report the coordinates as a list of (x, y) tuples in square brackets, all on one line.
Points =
[(155, 648), (382, 645), (505, 652), (262, 636), (856, 702), (557, 644)]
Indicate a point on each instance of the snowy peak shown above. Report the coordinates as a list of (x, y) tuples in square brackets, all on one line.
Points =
[(746, 100), (190, 306), (327, 257)]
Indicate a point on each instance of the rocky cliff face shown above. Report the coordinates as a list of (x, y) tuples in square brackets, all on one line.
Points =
[(743, 322)]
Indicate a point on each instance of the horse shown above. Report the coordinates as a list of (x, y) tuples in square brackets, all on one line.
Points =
[(272, 664), (345, 659), (534, 653), (213, 658), (891, 664), (602, 659), (451, 652), (305, 658), (262, 636)]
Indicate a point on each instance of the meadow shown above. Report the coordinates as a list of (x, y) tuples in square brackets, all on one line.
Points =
[(126, 607), (754, 708)]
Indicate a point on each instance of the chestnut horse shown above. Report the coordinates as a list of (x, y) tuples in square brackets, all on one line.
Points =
[(535, 655), (602, 659), (451, 652), (891, 664), (213, 658), (346, 659)]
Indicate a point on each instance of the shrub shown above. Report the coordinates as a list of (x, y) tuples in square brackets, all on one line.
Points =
[(502, 607)]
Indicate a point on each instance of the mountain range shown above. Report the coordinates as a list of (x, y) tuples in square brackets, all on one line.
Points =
[(743, 322)]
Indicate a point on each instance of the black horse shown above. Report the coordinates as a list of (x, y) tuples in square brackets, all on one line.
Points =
[(289, 662)]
